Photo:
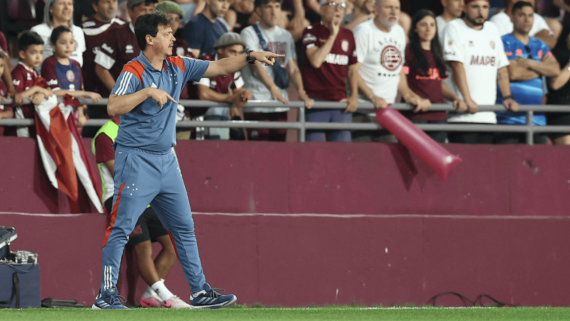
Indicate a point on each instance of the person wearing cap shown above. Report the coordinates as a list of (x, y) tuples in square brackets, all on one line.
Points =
[(473, 48), (330, 60), (229, 88), (122, 47), (181, 49), (204, 29)]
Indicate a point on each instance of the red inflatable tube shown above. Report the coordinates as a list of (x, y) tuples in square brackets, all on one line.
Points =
[(415, 139)]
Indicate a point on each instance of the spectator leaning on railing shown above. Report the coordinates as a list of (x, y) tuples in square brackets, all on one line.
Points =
[(204, 29), (330, 60), (540, 29), (380, 47), (530, 59), (559, 87), (6, 112), (63, 74), (60, 13), (474, 49), (123, 46), (6, 74), (425, 71), (228, 88), (26, 80), (261, 80)]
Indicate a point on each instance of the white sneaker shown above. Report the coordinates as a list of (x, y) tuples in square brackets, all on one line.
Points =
[(175, 303)]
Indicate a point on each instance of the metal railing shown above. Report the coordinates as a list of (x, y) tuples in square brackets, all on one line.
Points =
[(302, 126)]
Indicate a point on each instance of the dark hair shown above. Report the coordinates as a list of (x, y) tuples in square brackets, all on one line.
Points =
[(562, 43), (27, 39), (56, 33), (420, 63), (519, 5), (148, 25), (261, 3)]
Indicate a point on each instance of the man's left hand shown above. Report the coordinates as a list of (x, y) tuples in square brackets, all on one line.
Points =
[(265, 57), (511, 104)]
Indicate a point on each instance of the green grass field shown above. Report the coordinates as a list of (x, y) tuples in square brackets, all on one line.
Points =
[(327, 313)]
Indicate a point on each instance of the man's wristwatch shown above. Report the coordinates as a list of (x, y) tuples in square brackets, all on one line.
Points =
[(250, 60), (509, 97)]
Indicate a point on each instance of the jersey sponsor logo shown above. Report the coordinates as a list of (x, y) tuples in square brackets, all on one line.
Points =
[(70, 75), (213, 84), (88, 24), (16, 82), (391, 58), (96, 50), (106, 47), (344, 45), (129, 49), (309, 38), (52, 82), (335, 59), (180, 51), (433, 74), (482, 60)]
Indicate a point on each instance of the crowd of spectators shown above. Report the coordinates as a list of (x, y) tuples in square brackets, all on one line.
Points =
[(476, 52)]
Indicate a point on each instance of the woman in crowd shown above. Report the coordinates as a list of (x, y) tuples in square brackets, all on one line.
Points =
[(425, 71), (60, 13), (63, 74), (559, 87)]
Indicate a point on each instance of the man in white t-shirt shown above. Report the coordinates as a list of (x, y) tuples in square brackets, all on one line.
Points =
[(540, 29), (380, 47), (260, 79), (474, 50), (452, 9)]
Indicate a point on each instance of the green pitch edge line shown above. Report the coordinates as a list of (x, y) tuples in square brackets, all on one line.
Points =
[(336, 313)]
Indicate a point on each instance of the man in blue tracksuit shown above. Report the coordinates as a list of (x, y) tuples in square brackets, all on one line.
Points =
[(146, 169)]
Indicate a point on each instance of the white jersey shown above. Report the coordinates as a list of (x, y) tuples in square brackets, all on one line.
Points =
[(45, 32), (279, 41), (482, 54), (505, 25), (441, 24), (382, 57)]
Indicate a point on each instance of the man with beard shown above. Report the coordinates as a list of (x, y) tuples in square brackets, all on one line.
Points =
[(474, 50), (363, 10), (380, 47)]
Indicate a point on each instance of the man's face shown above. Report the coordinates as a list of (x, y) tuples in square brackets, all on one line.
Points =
[(269, 13), (175, 21), (330, 12), (164, 41), (106, 9), (453, 7), (219, 7), (33, 56), (140, 10), (477, 12), (230, 51), (387, 12), (523, 19)]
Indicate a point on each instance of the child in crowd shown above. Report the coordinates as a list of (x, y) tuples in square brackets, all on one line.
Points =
[(63, 75), (27, 82), (5, 111)]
